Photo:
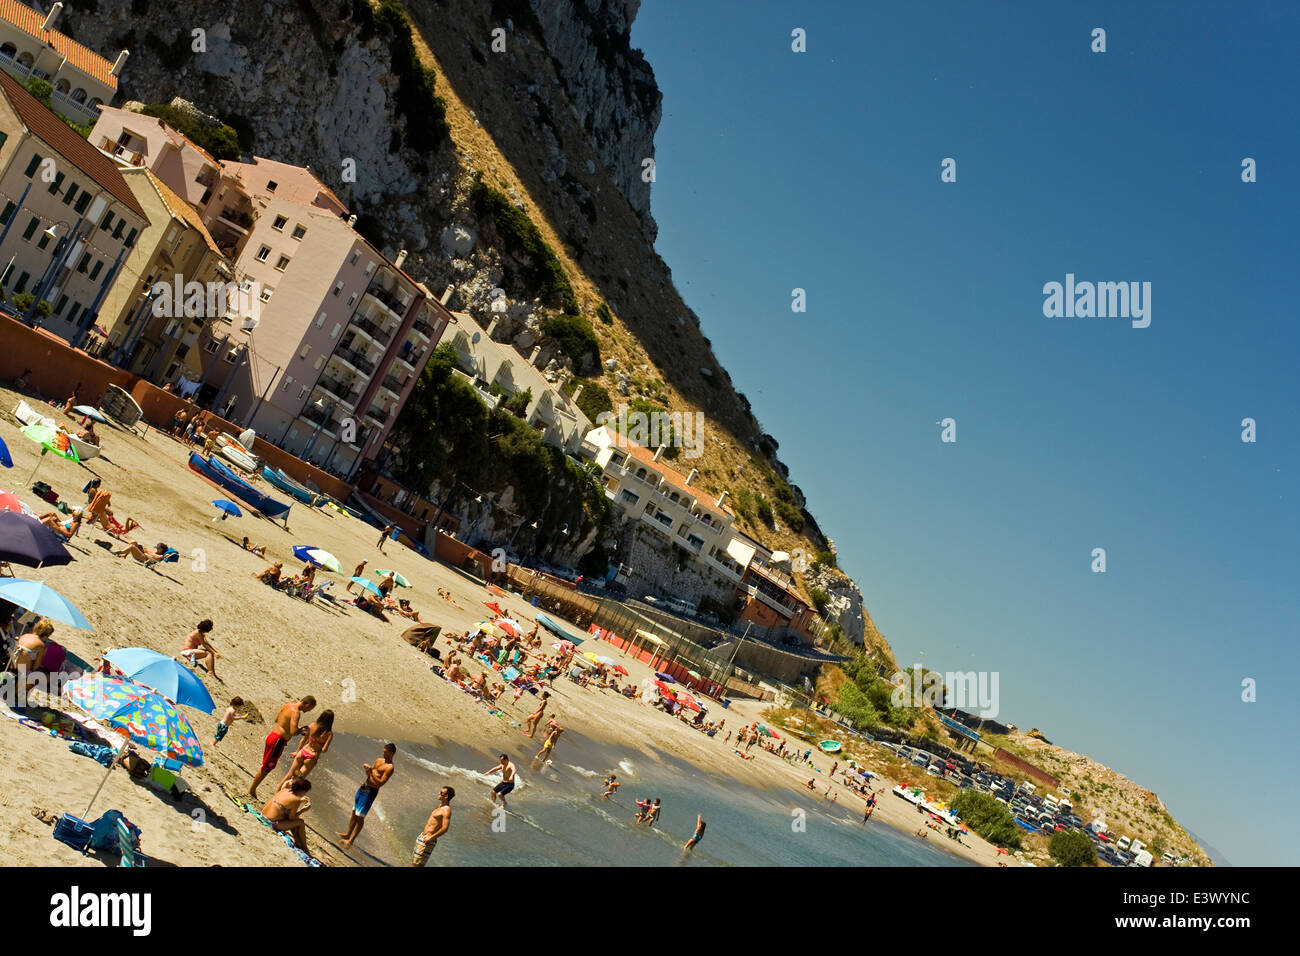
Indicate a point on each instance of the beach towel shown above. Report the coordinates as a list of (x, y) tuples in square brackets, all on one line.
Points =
[(286, 838), (100, 753)]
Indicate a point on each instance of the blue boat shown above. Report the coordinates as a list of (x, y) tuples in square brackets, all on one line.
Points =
[(214, 470), (282, 481)]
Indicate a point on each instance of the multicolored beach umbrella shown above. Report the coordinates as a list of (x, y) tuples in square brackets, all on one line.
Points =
[(398, 579), (50, 440), (321, 558), (147, 717)]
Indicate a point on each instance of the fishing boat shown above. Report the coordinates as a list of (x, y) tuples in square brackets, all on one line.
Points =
[(282, 481), (214, 470), (32, 416), (555, 627), (237, 454), (830, 746), (913, 795)]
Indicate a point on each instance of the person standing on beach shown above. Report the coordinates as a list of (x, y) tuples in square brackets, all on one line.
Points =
[(699, 833), (286, 727), (650, 814), (229, 717), (383, 536), (439, 823), (531, 723), (356, 573), (377, 774), (548, 748), (502, 789)]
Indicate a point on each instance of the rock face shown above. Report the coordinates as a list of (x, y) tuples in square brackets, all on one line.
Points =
[(611, 88), (845, 608)]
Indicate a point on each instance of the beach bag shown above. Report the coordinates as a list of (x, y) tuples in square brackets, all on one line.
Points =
[(73, 831), (104, 833)]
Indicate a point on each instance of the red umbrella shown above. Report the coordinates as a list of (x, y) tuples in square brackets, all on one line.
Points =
[(664, 691), (507, 625), (10, 502), (620, 668), (495, 607), (686, 700)]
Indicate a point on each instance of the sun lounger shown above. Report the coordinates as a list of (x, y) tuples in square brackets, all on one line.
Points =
[(128, 846)]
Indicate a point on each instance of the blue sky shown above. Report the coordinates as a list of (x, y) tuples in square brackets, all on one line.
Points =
[(821, 170)]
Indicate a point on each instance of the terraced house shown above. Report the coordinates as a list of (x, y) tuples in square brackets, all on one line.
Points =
[(68, 219), (31, 48)]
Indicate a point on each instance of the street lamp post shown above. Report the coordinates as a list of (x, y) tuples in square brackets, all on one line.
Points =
[(57, 258), (326, 417)]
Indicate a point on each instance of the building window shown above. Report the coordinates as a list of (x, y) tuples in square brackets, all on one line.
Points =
[(232, 356), (288, 380), (85, 261), (302, 393), (130, 237), (335, 333), (352, 300), (282, 264), (628, 498), (94, 272), (355, 256), (82, 202), (33, 165), (279, 223), (299, 231), (370, 268), (210, 346), (117, 230), (31, 228), (70, 194), (8, 212), (263, 253), (74, 312), (22, 282), (266, 294), (320, 321), (338, 288), (54, 186), (43, 241), (107, 222), (63, 302), (270, 185), (306, 349)]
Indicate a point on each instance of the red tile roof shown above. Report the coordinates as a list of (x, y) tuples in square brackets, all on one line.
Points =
[(83, 58), (68, 142)]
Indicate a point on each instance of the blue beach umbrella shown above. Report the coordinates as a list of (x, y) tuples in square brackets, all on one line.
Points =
[(228, 509), (164, 674), (43, 600), (90, 412), (5, 458), (368, 585)]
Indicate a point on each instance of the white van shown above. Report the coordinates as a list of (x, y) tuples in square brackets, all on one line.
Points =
[(1123, 843), (1136, 846), (1141, 858)]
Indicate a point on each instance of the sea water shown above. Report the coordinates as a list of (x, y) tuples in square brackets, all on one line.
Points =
[(558, 818)]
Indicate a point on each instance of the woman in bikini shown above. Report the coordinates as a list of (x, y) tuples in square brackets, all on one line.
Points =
[(285, 811), (64, 529), (319, 736)]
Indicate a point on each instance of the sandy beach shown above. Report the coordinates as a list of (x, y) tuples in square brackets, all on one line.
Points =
[(275, 648)]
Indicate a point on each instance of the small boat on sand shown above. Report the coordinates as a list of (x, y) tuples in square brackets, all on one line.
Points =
[(33, 416), (282, 481), (214, 470)]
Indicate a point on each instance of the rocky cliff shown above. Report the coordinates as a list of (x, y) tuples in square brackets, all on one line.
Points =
[(548, 103)]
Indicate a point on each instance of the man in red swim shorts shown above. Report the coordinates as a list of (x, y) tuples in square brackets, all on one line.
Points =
[(285, 729)]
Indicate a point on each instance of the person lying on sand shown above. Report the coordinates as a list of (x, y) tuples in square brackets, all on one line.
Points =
[(370, 607), (142, 554), (404, 608), (257, 549), (285, 811), (64, 529), (270, 575)]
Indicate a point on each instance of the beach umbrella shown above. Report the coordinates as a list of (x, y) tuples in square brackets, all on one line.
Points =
[(50, 439), (686, 700), (43, 600), (604, 660), (507, 627), (90, 412), (322, 558), (5, 458), (400, 581), (695, 675), (24, 540), (666, 678), (164, 674), (564, 646), (496, 608), (621, 669), (228, 509), (13, 503), (368, 585), (144, 715)]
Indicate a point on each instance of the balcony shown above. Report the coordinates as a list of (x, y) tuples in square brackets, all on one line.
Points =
[(121, 153), (393, 385), (377, 415), (321, 419), (372, 330), (422, 327), (345, 393), (355, 361), (388, 300)]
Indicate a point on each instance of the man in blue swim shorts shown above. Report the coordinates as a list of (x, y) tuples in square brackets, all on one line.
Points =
[(377, 774)]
